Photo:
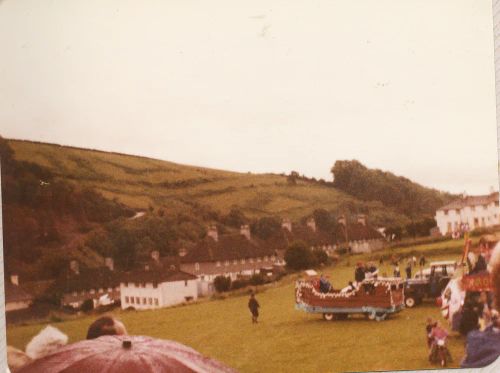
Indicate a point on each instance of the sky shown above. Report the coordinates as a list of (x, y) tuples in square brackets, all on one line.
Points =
[(406, 86)]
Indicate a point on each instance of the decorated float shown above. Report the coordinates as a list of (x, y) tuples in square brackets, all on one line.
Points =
[(374, 298), (468, 279)]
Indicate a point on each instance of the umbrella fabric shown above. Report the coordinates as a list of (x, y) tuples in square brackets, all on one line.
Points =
[(125, 354)]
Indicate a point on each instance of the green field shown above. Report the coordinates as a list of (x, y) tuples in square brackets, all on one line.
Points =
[(141, 182), (285, 339)]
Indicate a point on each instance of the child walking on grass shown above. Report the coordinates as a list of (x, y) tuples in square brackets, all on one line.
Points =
[(254, 306)]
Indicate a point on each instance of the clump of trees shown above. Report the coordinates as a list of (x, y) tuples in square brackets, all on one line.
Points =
[(222, 284), (37, 204), (298, 256), (397, 192), (418, 228)]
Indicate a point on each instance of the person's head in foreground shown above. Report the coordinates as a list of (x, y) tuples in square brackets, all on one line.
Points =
[(483, 347), (106, 325)]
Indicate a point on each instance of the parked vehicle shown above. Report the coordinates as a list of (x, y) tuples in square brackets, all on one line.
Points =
[(429, 282), (375, 298)]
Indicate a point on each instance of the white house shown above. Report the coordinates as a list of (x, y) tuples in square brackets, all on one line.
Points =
[(151, 289), (468, 213)]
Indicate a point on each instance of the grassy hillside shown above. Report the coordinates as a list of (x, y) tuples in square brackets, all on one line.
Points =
[(285, 339), (142, 182)]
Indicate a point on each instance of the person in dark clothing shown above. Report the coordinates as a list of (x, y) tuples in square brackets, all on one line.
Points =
[(254, 306), (359, 273), (480, 265), (422, 261), (470, 314), (408, 270), (324, 285)]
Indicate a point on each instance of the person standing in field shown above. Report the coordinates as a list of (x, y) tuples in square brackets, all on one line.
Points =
[(408, 270), (422, 261), (254, 306)]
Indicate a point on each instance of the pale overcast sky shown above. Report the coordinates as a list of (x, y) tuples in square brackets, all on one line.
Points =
[(262, 85)]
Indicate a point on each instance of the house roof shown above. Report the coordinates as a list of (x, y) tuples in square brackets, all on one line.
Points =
[(156, 276), (228, 247), (460, 203), (356, 232), (316, 237), (86, 279), (15, 293)]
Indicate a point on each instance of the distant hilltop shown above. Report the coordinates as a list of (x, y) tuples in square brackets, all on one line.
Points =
[(63, 203)]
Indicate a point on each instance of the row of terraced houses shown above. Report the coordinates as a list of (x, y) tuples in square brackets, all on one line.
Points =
[(161, 282)]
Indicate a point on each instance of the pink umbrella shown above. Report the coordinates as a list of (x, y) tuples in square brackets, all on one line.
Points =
[(124, 354)]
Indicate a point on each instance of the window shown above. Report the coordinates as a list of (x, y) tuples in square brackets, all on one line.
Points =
[(127, 299), (259, 260), (473, 208), (132, 300), (217, 264), (75, 293), (196, 266), (496, 203), (251, 260), (137, 300), (185, 282), (155, 285), (150, 301), (110, 290), (445, 212), (92, 291), (156, 301), (235, 262), (266, 258), (101, 290), (144, 301), (457, 211)]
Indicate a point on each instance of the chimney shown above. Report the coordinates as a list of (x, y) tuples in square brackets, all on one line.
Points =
[(155, 255), (109, 262), (287, 224), (311, 223), (245, 231), (362, 219), (146, 267), (212, 232), (74, 267), (341, 220), (182, 252), (14, 279)]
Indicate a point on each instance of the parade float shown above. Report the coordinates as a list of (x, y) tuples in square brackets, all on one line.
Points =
[(470, 277), (374, 298)]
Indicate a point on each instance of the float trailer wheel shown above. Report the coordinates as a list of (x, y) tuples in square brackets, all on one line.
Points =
[(328, 316)]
